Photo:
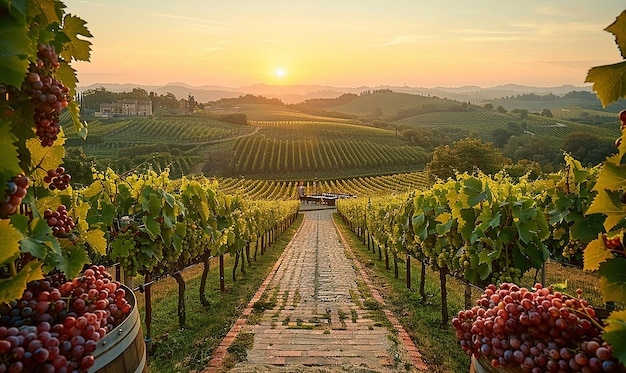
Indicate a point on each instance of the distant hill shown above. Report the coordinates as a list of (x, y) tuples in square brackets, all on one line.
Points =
[(291, 94)]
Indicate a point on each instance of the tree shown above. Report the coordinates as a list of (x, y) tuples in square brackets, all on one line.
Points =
[(501, 109), (80, 164), (464, 155), (530, 148), (588, 148), (488, 106), (500, 137), (547, 113)]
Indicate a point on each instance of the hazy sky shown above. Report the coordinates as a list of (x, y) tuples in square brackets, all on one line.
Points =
[(347, 43)]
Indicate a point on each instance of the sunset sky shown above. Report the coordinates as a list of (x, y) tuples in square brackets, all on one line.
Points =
[(347, 43)]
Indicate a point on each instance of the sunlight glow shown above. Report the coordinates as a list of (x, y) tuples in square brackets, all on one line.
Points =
[(279, 73)]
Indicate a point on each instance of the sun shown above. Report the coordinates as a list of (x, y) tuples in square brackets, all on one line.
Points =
[(280, 73)]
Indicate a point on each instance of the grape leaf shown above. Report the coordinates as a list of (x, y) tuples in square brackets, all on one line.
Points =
[(595, 253), (8, 152), (10, 238), (77, 48), (618, 28), (615, 334), (15, 49), (67, 75), (121, 248), (75, 257), (613, 279), (44, 158), (19, 8), (612, 176), (151, 227), (13, 287), (608, 203), (95, 239), (79, 127), (40, 242), (52, 10), (609, 82)]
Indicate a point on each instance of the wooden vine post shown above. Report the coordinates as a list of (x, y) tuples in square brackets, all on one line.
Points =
[(182, 317)]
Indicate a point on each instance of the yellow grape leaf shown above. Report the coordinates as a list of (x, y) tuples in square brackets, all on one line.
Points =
[(618, 28), (46, 157), (615, 334), (95, 239), (13, 287), (10, 238), (94, 189), (444, 217), (613, 175), (608, 204), (595, 253), (613, 279), (609, 82)]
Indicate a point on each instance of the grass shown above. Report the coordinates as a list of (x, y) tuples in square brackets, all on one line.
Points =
[(436, 343), (190, 349)]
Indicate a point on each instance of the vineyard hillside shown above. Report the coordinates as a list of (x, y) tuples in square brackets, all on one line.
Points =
[(349, 136)]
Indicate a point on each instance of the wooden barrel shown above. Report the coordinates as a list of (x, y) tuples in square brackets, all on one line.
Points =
[(122, 349)]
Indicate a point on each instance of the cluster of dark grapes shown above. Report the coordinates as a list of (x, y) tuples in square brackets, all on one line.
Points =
[(57, 179), (59, 221), (47, 93), (534, 331), (16, 190), (56, 324)]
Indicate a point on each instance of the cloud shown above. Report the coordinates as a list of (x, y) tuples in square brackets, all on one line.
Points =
[(402, 39), (214, 26)]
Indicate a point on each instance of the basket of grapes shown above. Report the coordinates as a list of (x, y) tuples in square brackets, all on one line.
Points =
[(513, 329), (61, 325)]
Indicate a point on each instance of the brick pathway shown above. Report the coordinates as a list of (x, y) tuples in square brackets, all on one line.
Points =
[(324, 315)]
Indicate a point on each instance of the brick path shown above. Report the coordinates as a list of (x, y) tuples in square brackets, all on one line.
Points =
[(322, 319)]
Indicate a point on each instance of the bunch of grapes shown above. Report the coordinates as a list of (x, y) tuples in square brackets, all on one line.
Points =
[(47, 93), (136, 251), (195, 243), (534, 331), (59, 221), (55, 325), (16, 190), (57, 179)]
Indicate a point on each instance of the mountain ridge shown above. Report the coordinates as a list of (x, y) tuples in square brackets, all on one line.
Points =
[(296, 93)]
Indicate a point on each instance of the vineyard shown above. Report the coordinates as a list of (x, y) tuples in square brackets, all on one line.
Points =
[(360, 186), (321, 148), (491, 230)]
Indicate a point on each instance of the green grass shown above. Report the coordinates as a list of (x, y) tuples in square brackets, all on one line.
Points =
[(190, 349), (436, 343)]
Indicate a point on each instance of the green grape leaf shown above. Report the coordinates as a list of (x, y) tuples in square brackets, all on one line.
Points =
[(618, 28), (10, 165), (612, 176), (615, 334), (609, 82), (40, 242), (10, 238), (19, 8), (67, 75), (608, 203), (13, 287), (75, 257), (95, 238), (15, 50), (595, 254), (484, 270), (121, 248), (77, 48), (81, 128), (151, 226), (613, 279), (154, 207)]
